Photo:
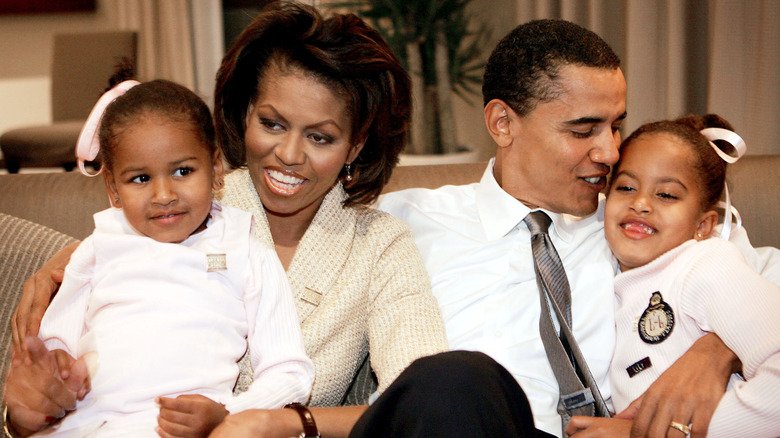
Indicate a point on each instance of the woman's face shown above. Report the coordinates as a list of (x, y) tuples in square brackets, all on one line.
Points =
[(297, 141)]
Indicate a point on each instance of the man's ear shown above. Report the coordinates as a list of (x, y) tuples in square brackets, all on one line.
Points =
[(707, 223), (217, 170), (498, 121), (113, 193)]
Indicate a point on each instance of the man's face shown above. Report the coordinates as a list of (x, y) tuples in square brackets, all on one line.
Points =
[(561, 151)]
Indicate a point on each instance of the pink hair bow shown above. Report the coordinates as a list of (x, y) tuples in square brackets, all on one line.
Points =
[(88, 146)]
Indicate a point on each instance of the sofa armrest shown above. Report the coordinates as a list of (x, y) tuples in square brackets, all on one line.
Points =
[(24, 248)]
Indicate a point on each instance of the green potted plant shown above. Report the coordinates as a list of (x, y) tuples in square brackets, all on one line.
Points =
[(439, 45)]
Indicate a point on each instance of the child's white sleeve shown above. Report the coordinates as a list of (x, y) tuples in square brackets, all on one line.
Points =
[(63, 322), (283, 373)]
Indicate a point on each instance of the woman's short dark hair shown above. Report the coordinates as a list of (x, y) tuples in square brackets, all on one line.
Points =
[(710, 169), (346, 55)]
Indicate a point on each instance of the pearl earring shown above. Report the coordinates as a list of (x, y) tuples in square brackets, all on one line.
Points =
[(348, 169)]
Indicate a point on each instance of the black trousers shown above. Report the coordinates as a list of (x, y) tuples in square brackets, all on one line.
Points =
[(455, 394)]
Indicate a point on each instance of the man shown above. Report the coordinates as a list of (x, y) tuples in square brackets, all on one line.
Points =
[(554, 99)]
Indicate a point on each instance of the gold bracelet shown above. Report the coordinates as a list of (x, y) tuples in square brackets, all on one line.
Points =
[(6, 431)]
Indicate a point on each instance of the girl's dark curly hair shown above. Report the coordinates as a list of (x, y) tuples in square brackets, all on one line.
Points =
[(709, 167)]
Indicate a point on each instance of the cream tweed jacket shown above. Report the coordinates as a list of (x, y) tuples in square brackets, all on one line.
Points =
[(359, 285)]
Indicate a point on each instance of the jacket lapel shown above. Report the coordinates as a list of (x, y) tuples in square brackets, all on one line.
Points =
[(322, 252)]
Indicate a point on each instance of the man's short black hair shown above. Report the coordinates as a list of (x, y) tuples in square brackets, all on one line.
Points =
[(524, 66)]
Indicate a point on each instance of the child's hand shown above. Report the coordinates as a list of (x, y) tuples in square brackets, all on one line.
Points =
[(584, 427), (188, 416), (74, 372)]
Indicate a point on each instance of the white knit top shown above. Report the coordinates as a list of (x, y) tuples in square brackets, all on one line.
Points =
[(709, 288), (166, 319)]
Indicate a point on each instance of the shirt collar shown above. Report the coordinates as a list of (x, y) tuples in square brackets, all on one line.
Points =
[(500, 213)]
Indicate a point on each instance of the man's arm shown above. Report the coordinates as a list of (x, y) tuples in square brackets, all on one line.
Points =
[(688, 392)]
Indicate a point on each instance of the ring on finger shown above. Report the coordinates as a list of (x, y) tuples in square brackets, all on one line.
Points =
[(681, 427)]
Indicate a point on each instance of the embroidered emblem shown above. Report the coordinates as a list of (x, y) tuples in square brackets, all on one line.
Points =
[(638, 367), (216, 262), (657, 321), (311, 296)]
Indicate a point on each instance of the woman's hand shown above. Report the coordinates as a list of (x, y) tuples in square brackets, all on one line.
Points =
[(584, 427), (332, 422), (687, 392), (259, 423), (43, 386), (36, 296)]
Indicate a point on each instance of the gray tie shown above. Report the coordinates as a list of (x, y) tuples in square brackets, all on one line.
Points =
[(566, 359), (546, 260)]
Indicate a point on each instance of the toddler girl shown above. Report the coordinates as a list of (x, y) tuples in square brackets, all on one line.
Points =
[(677, 284), (161, 299)]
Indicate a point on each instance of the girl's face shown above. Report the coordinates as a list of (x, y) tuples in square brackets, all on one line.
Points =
[(162, 177), (654, 202), (297, 141)]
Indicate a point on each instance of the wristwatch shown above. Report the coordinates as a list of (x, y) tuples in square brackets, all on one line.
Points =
[(309, 426)]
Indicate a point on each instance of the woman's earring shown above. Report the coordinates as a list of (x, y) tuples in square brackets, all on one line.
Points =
[(348, 169)]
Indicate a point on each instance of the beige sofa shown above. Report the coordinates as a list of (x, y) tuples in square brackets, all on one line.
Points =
[(59, 208)]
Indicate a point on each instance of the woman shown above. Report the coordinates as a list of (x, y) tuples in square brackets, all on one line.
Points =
[(314, 112)]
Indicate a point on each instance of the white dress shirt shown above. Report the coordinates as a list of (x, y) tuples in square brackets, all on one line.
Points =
[(478, 253)]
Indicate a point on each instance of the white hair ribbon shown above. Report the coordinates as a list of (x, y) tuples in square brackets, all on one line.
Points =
[(732, 138), (88, 145)]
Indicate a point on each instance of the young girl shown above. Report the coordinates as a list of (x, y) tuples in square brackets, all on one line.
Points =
[(159, 301), (677, 283)]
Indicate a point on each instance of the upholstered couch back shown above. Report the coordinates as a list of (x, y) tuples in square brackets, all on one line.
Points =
[(66, 201)]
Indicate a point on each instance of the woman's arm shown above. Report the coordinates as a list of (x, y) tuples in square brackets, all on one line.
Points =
[(36, 296), (283, 423), (405, 322)]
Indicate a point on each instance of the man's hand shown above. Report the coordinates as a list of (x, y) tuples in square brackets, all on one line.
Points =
[(42, 386), (586, 427), (36, 296), (188, 416), (687, 393)]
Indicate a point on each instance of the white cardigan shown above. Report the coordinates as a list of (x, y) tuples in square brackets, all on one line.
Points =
[(709, 288)]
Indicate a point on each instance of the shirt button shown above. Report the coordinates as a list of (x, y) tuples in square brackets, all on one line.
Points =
[(498, 333)]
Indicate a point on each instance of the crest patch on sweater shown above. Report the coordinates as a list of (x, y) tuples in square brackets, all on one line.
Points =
[(657, 321)]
